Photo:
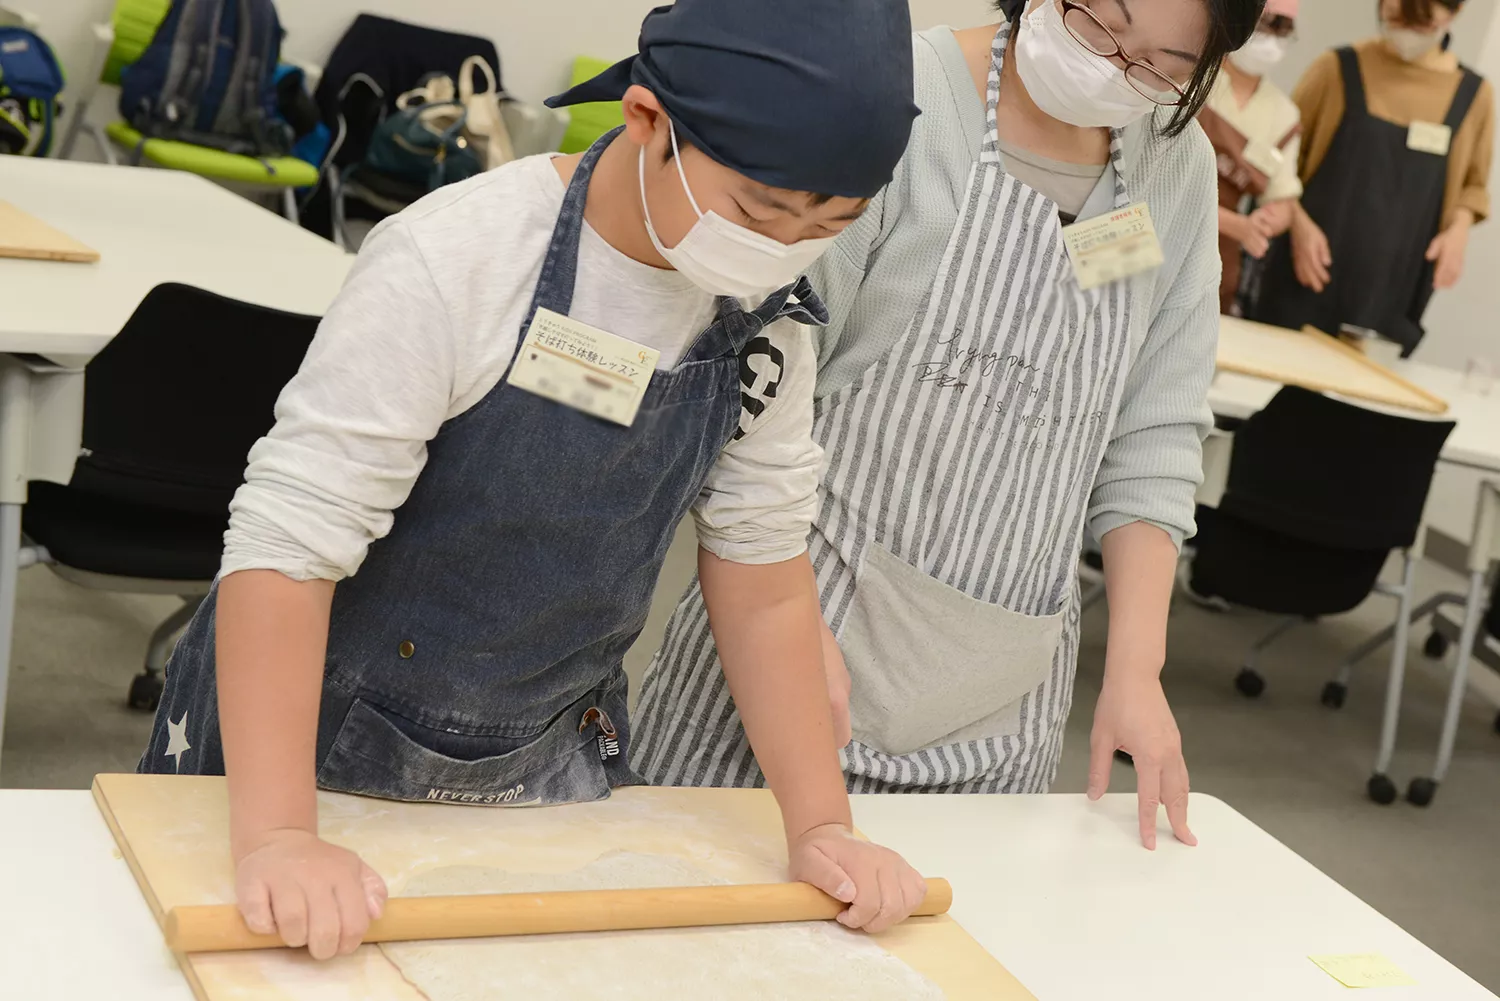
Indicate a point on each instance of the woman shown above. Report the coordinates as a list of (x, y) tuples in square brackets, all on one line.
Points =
[(1255, 129), (1396, 147), (980, 408)]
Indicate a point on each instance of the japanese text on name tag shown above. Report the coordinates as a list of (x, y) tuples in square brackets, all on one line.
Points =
[(583, 367), (1114, 246)]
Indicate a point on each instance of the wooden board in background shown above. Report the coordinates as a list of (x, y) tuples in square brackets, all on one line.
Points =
[(1318, 362), (26, 236), (174, 833)]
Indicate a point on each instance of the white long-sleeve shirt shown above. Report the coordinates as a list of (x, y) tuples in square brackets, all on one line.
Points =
[(425, 328)]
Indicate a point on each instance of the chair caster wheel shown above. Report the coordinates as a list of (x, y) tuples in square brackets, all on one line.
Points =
[(1435, 647), (1249, 684), (1421, 791), (1334, 694), (1381, 789), (1124, 758), (145, 692)]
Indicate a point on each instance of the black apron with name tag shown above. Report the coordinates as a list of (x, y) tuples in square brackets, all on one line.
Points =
[(1380, 204)]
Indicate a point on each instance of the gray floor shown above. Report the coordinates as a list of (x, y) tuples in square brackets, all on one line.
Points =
[(1293, 767)]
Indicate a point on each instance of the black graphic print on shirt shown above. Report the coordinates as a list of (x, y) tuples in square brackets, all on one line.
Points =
[(761, 367)]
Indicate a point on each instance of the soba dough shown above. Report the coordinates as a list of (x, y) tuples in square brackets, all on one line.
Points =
[(819, 960)]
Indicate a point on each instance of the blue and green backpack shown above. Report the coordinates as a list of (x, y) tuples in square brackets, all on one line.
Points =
[(30, 81)]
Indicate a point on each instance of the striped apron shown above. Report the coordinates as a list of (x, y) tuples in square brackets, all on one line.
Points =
[(946, 545)]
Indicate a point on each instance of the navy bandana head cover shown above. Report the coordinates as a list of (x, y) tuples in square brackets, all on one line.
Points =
[(807, 95)]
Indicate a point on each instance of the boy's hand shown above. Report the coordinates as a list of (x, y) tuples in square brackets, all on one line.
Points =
[(877, 884), (309, 892)]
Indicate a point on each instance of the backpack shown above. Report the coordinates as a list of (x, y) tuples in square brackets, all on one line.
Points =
[(30, 80), (208, 78)]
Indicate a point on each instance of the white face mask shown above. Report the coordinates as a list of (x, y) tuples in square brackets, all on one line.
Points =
[(1258, 55), (725, 259), (1411, 45), (1069, 82)]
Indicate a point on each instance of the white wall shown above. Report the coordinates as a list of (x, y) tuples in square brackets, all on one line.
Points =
[(1465, 323)]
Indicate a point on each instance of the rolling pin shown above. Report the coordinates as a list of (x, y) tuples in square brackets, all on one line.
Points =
[(219, 927)]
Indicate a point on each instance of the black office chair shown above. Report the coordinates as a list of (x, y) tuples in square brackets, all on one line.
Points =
[(376, 60), (1319, 494), (171, 407)]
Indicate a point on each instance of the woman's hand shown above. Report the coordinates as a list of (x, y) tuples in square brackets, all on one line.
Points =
[(1448, 249), (838, 687), (1311, 256), (1273, 218), (1132, 715), (880, 888), (1241, 229), (1255, 242)]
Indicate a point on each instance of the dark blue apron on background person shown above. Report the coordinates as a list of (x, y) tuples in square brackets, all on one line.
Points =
[(476, 655), (1380, 204)]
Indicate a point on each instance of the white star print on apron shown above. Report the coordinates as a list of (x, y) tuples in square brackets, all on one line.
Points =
[(959, 473)]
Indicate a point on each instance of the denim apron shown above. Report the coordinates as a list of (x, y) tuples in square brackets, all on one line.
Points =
[(476, 656)]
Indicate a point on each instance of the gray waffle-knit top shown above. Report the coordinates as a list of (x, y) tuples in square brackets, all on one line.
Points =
[(876, 275)]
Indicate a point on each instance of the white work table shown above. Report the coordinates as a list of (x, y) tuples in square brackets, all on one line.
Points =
[(1057, 888), (150, 227), (1475, 442)]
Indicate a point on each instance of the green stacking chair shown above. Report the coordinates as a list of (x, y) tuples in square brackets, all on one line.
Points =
[(589, 121), (121, 43)]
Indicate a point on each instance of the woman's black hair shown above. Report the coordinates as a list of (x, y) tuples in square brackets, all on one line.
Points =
[(1415, 12), (1230, 25)]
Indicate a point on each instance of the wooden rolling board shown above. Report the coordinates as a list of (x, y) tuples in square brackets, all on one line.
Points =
[(26, 236), (1318, 362), (174, 833)]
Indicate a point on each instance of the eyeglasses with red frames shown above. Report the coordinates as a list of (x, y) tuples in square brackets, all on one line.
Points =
[(1093, 34)]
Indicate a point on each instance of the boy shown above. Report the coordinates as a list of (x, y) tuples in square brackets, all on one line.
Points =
[(475, 656)]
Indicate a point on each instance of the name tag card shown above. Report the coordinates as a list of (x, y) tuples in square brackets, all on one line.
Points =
[(1263, 157), (583, 367), (1429, 137), (1114, 246)]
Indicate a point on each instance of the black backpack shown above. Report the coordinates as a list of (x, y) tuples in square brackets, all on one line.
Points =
[(208, 78)]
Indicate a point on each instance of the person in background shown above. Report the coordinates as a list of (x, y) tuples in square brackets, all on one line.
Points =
[(1397, 139), (1254, 128), (984, 396)]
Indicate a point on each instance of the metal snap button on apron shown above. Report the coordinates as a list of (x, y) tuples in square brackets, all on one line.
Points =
[(406, 649)]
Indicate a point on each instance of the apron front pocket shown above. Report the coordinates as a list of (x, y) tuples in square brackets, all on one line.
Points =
[(380, 753), (931, 665)]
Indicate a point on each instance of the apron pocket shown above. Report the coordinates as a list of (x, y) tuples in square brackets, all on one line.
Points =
[(379, 753), (931, 665)]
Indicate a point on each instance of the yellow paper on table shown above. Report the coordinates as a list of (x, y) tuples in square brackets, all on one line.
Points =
[(1364, 969)]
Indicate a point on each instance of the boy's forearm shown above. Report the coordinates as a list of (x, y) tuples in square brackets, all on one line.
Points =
[(271, 635), (767, 628)]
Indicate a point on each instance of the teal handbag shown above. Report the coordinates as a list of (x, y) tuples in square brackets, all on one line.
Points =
[(423, 145)]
